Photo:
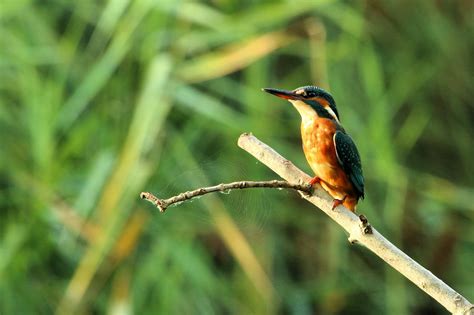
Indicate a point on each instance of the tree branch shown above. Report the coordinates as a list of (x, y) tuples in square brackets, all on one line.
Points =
[(359, 229), (163, 204), (367, 236)]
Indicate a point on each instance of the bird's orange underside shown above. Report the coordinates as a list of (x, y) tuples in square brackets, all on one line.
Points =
[(318, 146)]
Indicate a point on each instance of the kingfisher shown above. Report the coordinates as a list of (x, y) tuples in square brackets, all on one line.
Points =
[(330, 151)]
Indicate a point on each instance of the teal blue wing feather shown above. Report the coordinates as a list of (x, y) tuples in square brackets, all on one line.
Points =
[(349, 158)]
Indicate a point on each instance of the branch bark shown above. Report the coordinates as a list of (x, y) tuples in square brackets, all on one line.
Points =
[(359, 230)]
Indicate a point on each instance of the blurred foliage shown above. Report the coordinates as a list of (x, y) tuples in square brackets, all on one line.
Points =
[(100, 100)]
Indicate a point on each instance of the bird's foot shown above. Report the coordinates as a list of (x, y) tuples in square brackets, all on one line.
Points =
[(338, 202), (315, 180)]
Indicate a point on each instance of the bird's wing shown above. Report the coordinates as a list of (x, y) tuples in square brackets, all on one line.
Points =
[(348, 157)]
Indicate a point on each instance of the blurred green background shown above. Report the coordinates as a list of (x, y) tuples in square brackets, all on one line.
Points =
[(100, 100)]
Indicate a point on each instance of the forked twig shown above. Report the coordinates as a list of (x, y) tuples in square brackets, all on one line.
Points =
[(360, 230)]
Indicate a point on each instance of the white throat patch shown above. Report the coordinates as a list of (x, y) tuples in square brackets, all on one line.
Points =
[(308, 115)]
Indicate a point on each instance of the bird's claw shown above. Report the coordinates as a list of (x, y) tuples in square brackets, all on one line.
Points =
[(315, 180), (338, 202)]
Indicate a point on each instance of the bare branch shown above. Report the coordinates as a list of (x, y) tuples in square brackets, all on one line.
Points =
[(162, 204), (360, 230)]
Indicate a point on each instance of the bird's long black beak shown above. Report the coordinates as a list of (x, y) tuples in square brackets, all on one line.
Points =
[(289, 95)]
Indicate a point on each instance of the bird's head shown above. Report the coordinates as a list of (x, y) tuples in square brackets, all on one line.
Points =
[(309, 101)]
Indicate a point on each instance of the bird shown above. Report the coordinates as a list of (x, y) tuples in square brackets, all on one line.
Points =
[(330, 151)]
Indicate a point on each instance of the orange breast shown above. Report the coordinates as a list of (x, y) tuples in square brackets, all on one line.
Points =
[(319, 150)]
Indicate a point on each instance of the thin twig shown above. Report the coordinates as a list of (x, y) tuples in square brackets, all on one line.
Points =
[(163, 204)]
